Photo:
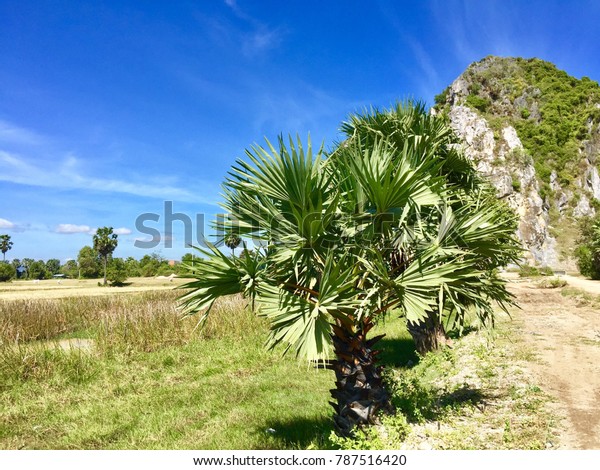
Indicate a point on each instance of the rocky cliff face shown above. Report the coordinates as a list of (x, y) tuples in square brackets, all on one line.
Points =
[(502, 113)]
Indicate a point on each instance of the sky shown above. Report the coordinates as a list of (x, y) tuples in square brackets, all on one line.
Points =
[(129, 114)]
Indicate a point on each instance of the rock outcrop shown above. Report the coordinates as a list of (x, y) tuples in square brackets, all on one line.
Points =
[(513, 178), (496, 104)]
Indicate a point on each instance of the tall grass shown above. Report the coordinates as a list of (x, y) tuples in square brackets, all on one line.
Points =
[(31, 330), (148, 378)]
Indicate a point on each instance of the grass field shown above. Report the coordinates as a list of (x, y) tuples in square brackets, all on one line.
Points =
[(123, 370)]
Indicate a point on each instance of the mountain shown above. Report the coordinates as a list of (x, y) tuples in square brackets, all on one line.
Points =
[(534, 131)]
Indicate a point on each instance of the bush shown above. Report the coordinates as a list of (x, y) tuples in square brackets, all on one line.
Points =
[(7, 272), (588, 262), (552, 283), (478, 102), (116, 272), (528, 271)]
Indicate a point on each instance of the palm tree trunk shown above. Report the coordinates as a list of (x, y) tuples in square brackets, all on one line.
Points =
[(105, 258), (360, 392), (429, 335)]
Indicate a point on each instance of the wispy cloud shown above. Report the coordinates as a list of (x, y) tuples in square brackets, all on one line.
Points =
[(298, 108), (67, 174), (13, 134), (260, 38), (426, 77), (122, 231), (473, 30), (6, 224)]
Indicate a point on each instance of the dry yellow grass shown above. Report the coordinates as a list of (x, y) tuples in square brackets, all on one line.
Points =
[(55, 289)]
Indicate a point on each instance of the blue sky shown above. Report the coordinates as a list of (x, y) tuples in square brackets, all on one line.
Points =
[(109, 109)]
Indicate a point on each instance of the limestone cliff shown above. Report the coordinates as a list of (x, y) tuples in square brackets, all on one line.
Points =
[(534, 132)]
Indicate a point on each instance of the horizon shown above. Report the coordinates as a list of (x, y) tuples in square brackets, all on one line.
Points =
[(108, 112)]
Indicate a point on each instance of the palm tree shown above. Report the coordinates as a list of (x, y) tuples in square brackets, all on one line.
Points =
[(344, 240), (232, 241), (105, 243), (5, 245), (431, 137)]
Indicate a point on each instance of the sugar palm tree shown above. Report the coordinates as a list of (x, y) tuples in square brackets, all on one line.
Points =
[(232, 241), (341, 242), (409, 124), (5, 245)]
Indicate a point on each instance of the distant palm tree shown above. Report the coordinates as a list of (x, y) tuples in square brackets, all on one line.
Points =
[(5, 245), (232, 241), (375, 227)]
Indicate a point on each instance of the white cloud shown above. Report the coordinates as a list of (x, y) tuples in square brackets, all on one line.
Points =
[(6, 224), (72, 228), (122, 231)]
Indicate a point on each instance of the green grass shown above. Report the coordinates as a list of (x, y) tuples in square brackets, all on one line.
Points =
[(151, 381), (476, 395), (143, 388)]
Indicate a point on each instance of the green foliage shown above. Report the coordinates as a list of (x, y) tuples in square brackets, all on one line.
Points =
[(116, 272), (477, 102), (527, 270), (232, 240), (7, 272), (565, 107), (552, 283), (132, 383), (132, 267), (516, 183), (38, 270), (70, 269), (442, 97), (396, 428), (370, 201), (151, 265), (53, 266), (105, 242), (88, 261), (587, 251)]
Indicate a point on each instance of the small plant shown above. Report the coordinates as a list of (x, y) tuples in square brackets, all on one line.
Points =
[(527, 270), (552, 283), (516, 184)]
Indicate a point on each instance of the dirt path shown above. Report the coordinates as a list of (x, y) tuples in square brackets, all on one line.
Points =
[(565, 333)]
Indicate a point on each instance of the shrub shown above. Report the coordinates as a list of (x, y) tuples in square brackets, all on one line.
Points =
[(477, 102), (588, 262), (116, 273), (442, 97), (528, 271), (516, 183), (552, 283)]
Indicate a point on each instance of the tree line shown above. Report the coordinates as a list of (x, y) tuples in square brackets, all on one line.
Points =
[(90, 264)]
